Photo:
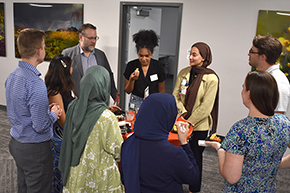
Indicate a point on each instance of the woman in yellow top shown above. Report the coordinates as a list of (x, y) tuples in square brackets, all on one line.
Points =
[(196, 94)]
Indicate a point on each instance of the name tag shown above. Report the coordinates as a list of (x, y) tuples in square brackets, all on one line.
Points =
[(183, 82), (153, 77), (182, 91), (146, 92), (132, 105)]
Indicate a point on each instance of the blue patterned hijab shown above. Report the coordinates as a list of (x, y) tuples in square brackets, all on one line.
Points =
[(154, 121)]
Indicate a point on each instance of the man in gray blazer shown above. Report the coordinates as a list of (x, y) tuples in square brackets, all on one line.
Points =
[(85, 55)]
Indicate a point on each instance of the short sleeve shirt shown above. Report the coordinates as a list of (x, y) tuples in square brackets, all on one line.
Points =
[(154, 75), (263, 142), (283, 87)]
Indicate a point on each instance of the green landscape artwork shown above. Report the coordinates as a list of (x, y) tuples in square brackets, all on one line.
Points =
[(59, 21)]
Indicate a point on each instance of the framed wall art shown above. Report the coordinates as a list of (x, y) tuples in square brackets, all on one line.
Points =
[(2, 31), (59, 21), (277, 24)]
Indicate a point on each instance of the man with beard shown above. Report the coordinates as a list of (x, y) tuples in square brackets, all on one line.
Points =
[(85, 55), (263, 55)]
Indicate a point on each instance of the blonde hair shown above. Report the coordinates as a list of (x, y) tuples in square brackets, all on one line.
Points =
[(28, 41)]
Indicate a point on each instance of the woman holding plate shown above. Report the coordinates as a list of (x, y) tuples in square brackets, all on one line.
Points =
[(252, 150), (196, 95)]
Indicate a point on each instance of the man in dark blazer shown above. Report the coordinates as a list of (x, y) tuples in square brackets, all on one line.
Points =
[(85, 55)]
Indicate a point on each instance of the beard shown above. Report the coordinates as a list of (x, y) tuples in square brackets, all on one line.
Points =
[(89, 48)]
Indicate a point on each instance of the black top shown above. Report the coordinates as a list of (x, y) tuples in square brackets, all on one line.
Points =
[(192, 76), (66, 99), (154, 75)]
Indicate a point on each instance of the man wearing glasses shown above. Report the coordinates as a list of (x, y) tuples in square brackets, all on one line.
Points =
[(85, 55), (263, 55)]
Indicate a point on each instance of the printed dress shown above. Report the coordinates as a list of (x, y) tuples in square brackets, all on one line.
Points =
[(98, 169), (263, 142), (56, 142)]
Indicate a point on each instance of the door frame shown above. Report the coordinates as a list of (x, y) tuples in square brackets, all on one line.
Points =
[(123, 40)]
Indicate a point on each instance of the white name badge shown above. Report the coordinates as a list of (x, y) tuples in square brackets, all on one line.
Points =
[(182, 91), (132, 105), (146, 92), (153, 77), (183, 82)]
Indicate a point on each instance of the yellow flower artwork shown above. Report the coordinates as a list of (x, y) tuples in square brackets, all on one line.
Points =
[(277, 24)]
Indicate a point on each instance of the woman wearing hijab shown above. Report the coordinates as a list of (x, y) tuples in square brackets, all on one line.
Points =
[(196, 95), (252, 150), (92, 138), (149, 162)]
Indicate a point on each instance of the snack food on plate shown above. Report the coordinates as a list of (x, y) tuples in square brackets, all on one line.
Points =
[(174, 129), (213, 137)]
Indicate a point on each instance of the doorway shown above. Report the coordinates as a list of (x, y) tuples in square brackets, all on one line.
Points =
[(165, 20)]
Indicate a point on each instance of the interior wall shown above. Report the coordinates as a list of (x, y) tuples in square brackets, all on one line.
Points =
[(167, 35), (228, 26)]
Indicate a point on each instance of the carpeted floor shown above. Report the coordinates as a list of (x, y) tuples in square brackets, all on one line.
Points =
[(212, 181), (8, 174)]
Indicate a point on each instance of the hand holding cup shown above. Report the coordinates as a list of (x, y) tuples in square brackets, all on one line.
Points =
[(182, 130)]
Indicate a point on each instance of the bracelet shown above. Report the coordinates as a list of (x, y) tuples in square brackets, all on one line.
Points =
[(220, 146)]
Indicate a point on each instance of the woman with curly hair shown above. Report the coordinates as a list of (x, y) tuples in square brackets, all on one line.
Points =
[(60, 90), (144, 76)]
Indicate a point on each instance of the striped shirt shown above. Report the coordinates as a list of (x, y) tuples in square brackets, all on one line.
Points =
[(27, 105)]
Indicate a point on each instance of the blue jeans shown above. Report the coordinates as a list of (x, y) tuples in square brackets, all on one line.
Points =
[(135, 102)]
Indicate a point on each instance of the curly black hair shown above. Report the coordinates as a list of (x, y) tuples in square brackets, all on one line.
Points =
[(146, 39)]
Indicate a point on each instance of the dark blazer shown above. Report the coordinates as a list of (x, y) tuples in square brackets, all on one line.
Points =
[(78, 73)]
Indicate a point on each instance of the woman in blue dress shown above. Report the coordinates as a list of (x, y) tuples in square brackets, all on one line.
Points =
[(60, 90), (252, 150)]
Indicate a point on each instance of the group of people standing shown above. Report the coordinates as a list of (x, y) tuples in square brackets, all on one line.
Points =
[(67, 121)]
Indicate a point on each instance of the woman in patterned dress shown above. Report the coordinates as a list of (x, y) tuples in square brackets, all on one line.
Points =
[(252, 150), (60, 90), (91, 139)]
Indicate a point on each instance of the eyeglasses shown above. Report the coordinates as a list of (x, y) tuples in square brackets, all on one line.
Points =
[(93, 38), (252, 52)]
